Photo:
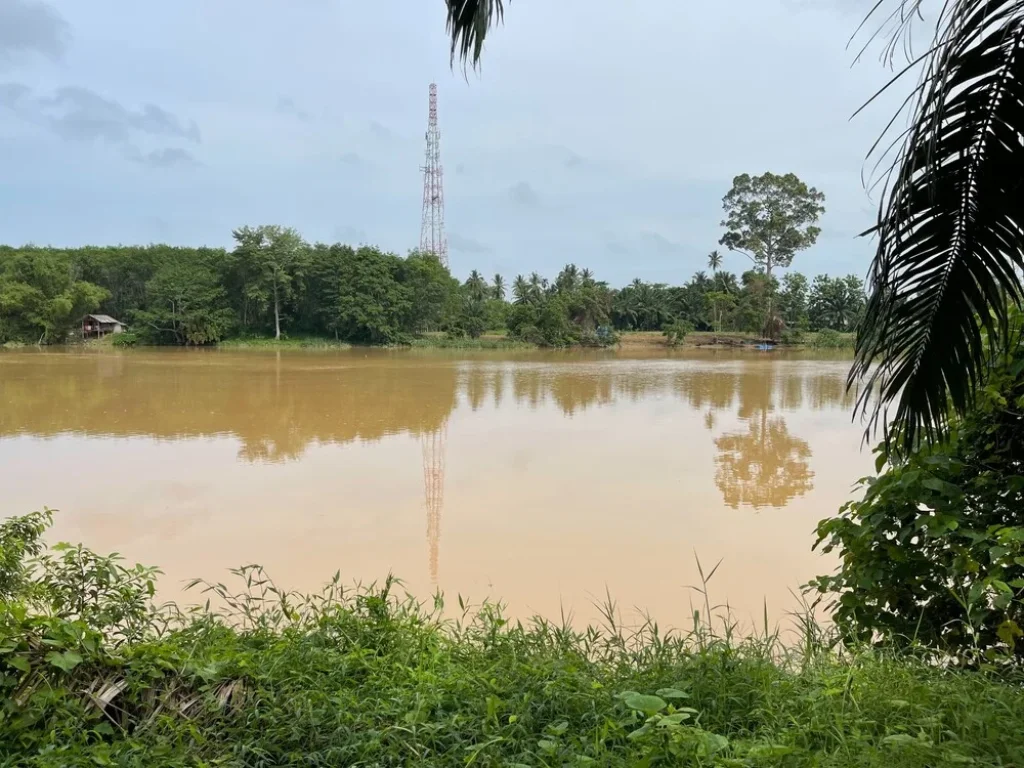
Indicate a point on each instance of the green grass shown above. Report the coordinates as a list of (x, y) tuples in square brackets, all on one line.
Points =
[(487, 341), (369, 677), (302, 342)]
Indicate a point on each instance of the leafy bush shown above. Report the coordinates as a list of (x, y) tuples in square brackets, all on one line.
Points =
[(677, 332), (829, 338), (933, 554), (125, 339)]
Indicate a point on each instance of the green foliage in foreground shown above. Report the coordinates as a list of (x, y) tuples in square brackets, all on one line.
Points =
[(91, 673), (933, 554)]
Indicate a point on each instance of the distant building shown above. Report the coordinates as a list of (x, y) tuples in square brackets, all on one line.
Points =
[(97, 326)]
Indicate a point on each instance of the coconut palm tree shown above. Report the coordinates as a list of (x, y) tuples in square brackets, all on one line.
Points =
[(476, 285), (520, 290), (498, 289), (567, 279), (714, 262), (950, 229), (538, 285)]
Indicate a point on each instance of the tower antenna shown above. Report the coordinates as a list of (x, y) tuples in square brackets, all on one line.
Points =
[(433, 446), (432, 237)]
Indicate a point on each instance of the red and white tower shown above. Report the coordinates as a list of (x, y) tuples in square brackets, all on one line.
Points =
[(432, 238)]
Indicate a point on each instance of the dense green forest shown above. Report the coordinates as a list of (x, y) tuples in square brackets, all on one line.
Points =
[(274, 283)]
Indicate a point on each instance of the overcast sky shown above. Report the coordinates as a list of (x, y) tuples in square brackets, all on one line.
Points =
[(600, 132)]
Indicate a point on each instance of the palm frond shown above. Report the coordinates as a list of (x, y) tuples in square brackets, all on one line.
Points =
[(950, 228), (468, 24)]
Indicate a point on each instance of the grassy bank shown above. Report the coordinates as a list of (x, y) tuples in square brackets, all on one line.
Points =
[(92, 674), (312, 342), (494, 340), (814, 339), (485, 341)]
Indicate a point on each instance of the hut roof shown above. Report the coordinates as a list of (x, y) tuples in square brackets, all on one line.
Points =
[(105, 319)]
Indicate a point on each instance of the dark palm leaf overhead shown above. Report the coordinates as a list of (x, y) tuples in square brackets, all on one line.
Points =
[(950, 226), (468, 23)]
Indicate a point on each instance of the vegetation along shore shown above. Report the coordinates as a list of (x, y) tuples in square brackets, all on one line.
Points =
[(92, 672)]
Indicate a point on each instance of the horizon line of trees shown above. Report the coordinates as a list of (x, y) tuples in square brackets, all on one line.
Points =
[(274, 283)]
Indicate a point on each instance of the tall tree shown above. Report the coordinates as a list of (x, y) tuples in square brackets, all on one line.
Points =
[(714, 262), (188, 305), (568, 279), (769, 218), (275, 257), (40, 299), (520, 290), (498, 288), (476, 286)]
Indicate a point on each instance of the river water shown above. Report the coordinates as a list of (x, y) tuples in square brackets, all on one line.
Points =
[(546, 479)]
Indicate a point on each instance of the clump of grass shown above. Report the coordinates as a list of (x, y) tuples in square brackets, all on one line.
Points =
[(302, 342), (483, 342), (369, 676), (830, 339)]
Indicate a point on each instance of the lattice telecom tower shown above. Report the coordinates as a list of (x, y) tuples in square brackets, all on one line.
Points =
[(432, 239)]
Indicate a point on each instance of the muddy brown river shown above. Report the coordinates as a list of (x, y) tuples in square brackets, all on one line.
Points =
[(545, 479)]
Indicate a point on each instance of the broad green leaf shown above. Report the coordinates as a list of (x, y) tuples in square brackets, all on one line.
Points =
[(675, 719), (645, 703), (672, 693), (66, 660)]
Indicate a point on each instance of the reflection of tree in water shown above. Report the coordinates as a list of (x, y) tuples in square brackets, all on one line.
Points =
[(577, 393), (475, 385), (764, 466), (275, 409)]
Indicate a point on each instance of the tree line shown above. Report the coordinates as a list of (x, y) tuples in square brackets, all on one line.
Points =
[(274, 283)]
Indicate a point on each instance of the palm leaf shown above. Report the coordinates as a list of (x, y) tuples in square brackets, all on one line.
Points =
[(468, 24), (950, 228)]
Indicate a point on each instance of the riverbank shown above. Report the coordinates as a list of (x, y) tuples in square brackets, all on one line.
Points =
[(499, 341), (369, 677)]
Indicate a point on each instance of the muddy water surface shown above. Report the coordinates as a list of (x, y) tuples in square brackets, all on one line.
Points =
[(544, 479)]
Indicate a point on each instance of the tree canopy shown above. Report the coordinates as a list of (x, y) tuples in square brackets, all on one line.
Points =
[(274, 283)]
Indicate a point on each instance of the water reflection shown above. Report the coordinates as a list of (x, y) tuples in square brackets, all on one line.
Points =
[(373, 461), (277, 406), (433, 447), (762, 464)]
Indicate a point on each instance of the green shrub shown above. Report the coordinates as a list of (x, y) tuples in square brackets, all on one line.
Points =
[(828, 338), (125, 339), (677, 332), (933, 554)]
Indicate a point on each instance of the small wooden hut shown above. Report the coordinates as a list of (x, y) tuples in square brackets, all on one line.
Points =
[(98, 326)]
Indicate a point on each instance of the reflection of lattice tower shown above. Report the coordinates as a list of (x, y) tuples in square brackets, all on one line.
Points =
[(432, 238), (433, 486)]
